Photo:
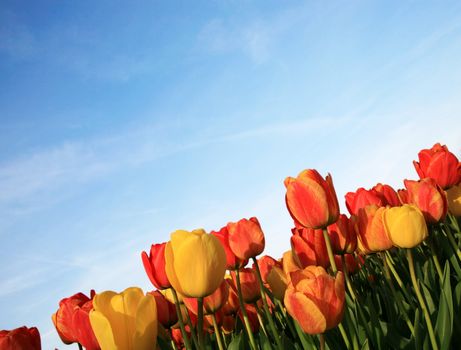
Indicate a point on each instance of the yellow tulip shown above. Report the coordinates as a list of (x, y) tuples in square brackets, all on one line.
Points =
[(195, 263), (278, 282), (405, 225), (454, 200), (125, 321)]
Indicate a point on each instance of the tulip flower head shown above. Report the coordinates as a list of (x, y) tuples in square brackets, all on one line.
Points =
[(231, 260), (371, 232), (342, 235), (211, 303), (166, 310), (154, 264), (311, 200), (309, 248), (278, 282), (454, 200), (246, 238), (249, 283), (125, 321), (405, 225), (439, 164), (21, 338), (195, 263), (315, 299)]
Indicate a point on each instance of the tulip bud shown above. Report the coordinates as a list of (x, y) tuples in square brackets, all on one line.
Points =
[(154, 264), (166, 310), (371, 232), (266, 263), (125, 321), (429, 198), (342, 234), (405, 225), (311, 200), (454, 200), (232, 305), (289, 263), (249, 285), (232, 262), (439, 164), (195, 263), (309, 248), (387, 194), (246, 238), (21, 338), (362, 198), (315, 299), (278, 282), (212, 302)]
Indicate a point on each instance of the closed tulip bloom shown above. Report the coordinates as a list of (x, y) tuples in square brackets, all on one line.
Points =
[(404, 196), (266, 263), (246, 238), (166, 310), (21, 338), (72, 321), (211, 303), (125, 321), (362, 198), (232, 262), (309, 248), (315, 299), (154, 264), (371, 232), (405, 225), (289, 263), (439, 164), (429, 198), (232, 305), (252, 313), (388, 194), (278, 282), (311, 200), (342, 234), (249, 283), (195, 263), (454, 200)]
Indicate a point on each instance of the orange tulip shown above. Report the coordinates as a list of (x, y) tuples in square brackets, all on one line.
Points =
[(311, 200), (309, 248), (154, 264), (371, 232), (232, 305), (439, 164), (388, 194), (278, 282), (72, 321), (315, 299), (166, 310), (342, 234), (429, 198), (212, 302), (266, 263), (289, 263), (249, 283), (454, 200), (232, 262), (252, 313), (362, 198), (246, 238), (21, 338)]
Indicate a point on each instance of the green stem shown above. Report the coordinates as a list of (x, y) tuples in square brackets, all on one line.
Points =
[(348, 281), (331, 257), (435, 258), (266, 307), (397, 277), (180, 320), (217, 332), (387, 275), (421, 300), (244, 313), (260, 319), (192, 329), (452, 241), (200, 323), (322, 341), (344, 335)]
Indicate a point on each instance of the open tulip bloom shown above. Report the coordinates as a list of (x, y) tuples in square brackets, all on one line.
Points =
[(387, 277)]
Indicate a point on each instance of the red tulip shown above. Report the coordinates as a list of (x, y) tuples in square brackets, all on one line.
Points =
[(246, 238), (342, 235), (232, 304), (266, 263), (309, 248), (252, 313), (21, 338), (166, 310), (72, 321), (232, 262), (362, 198), (429, 198), (249, 283), (353, 263), (371, 231), (154, 264), (211, 303), (311, 200), (439, 164), (315, 299)]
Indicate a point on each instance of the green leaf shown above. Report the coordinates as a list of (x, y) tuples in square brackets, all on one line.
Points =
[(444, 324), (264, 342), (236, 343)]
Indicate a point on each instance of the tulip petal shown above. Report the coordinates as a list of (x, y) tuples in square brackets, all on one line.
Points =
[(145, 336), (305, 311), (169, 268), (103, 331)]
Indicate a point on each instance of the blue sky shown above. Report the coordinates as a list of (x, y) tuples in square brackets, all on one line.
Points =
[(124, 121)]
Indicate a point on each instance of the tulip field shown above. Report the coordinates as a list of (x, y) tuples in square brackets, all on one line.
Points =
[(385, 275)]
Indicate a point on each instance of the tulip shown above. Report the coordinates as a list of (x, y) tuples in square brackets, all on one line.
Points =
[(72, 321), (211, 303), (371, 232), (232, 262), (311, 200), (166, 310), (315, 299), (266, 263), (289, 263), (454, 200), (309, 248), (228, 324), (439, 164), (249, 284), (353, 264), (195, 263), (252, 313), (387, 194), (429, 198), (231, 305), (342, 234), (362, 198), (246, 238), (278, 282), (405, 225), (21, 338), (125, 321), (154, 264)]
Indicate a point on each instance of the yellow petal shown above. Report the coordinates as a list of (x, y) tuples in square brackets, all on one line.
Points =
[(169, 268), (102, 330), (146, 324)]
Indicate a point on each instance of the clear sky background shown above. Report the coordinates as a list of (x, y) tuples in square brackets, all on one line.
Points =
[(122, 121)]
